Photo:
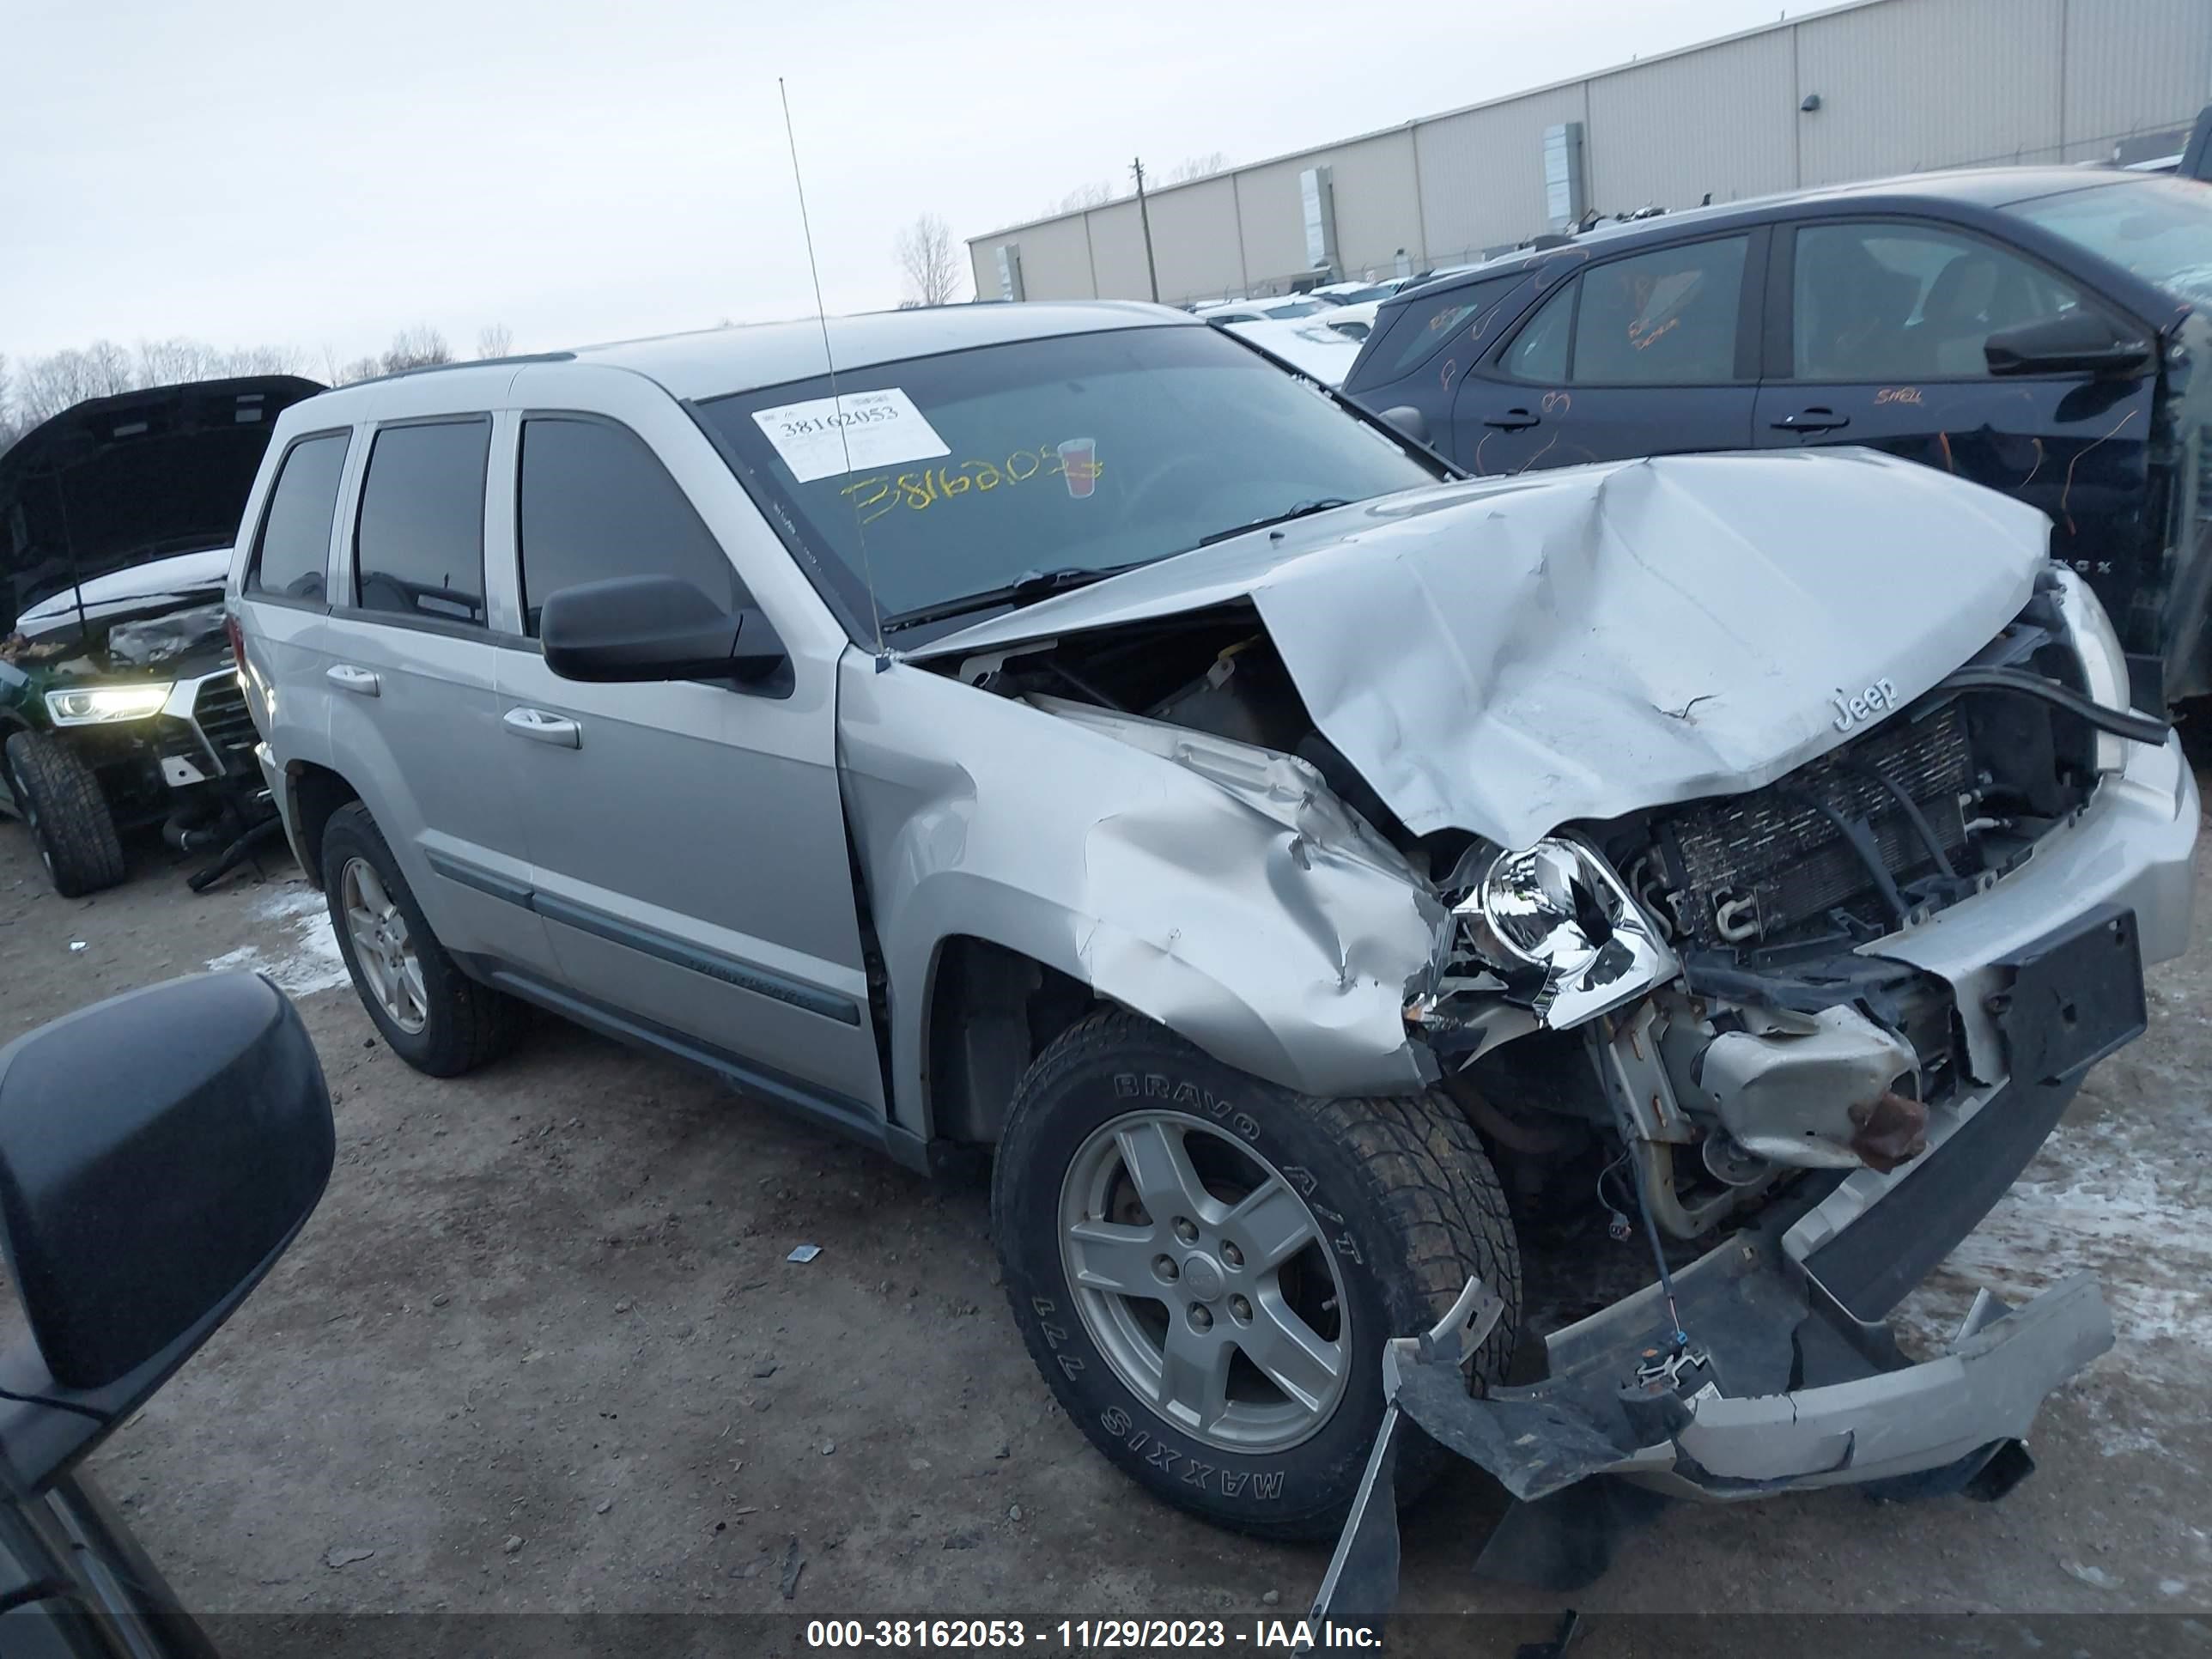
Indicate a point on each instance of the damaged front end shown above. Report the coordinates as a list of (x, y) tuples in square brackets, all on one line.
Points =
[(1844, 1010)]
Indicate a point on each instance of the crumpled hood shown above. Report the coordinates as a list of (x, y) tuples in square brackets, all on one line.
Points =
[(1505, 657)]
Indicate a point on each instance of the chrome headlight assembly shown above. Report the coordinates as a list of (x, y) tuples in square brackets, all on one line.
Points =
[(2103, 664), (105, 704), (1556, 914)]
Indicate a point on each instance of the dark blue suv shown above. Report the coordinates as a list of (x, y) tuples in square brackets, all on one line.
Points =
[(2046, 332)]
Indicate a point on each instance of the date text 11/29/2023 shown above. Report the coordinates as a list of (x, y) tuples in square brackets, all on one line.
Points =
[(1073, 1636)]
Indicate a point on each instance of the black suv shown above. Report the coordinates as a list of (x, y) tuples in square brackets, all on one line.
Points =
[(2043, 331)]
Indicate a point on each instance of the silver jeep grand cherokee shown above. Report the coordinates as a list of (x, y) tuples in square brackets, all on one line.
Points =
[(1075, 736)]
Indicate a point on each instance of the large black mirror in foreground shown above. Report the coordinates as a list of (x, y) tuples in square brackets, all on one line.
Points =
[(158, 1151)]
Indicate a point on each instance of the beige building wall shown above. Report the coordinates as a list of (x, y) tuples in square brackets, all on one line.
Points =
[(1902, 85)]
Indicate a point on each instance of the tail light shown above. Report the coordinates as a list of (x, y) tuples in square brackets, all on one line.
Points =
[(236, 635)]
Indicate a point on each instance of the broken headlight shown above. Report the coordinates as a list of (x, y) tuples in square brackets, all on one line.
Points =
[(1554, 917), (102, 705), (2103, 664)]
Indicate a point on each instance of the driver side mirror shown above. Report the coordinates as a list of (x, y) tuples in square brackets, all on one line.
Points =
[(630, 629), (2081, 340), (158, 1153), (1408, 419)]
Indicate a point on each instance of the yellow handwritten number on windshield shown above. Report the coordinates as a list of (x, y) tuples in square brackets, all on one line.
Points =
[(881, 493)]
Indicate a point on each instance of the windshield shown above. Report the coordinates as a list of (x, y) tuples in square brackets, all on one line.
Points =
[(2159, 228), (1078, 452)]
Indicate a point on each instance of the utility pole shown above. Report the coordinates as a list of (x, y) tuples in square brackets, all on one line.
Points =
[(1144, 216)]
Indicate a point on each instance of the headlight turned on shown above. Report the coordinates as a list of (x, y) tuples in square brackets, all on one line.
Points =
[(104, 705)]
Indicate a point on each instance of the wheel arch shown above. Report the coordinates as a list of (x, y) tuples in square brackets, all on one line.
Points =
[(313, 794)]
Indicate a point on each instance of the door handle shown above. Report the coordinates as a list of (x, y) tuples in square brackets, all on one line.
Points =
[(1513, 420), (1813, 420), (539, 726), (359, 681)]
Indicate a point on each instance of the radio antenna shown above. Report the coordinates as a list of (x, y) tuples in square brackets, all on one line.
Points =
[(836, 404)]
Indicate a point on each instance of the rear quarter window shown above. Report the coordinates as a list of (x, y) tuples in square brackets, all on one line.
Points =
[(292, 549)]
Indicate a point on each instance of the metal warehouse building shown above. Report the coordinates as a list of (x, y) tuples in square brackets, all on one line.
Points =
[(1855, 92)]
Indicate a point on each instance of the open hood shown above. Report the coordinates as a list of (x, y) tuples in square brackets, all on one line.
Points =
[(115, 482), (1506, 656)]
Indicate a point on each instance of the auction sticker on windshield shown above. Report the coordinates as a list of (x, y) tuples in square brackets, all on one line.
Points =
[(825, 436)]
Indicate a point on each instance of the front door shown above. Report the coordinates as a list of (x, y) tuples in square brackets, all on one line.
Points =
[(687, 839), (1651, 354), (1880, 344)]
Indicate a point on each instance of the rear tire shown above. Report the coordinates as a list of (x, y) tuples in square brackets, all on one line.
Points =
[(1388, 1206), (456, 1024), (67, 815)]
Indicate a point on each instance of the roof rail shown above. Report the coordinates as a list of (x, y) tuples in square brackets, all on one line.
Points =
[(473, 362)]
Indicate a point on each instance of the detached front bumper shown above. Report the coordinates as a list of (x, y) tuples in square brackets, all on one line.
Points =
[(1793, 1380)]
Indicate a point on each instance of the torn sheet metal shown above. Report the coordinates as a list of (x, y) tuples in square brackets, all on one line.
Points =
[(1507, 656), (1218, 888)]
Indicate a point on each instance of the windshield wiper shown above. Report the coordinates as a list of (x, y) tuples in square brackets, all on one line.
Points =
[(1031, 585), (1302, 510)]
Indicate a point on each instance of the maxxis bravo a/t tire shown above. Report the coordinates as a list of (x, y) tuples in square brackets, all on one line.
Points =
[(1407, 1201), (466, 1024), (66, 814)]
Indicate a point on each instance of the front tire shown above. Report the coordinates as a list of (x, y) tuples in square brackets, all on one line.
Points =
[(68, 817), (1206, 1267), (436, 1019)]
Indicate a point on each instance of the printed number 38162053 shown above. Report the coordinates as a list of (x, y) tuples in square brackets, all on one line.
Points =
[(881, 493)]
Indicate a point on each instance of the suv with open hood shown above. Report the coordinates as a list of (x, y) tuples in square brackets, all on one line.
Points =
[(119, 703), (1064, 733)]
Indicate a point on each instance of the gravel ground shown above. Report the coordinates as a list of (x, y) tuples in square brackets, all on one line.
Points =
[(541, 1350)]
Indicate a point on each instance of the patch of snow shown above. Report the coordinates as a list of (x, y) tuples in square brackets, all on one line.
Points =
[(298, 949), (2116, 1196)]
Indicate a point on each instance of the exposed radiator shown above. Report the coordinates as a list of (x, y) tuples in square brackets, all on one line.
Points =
[(1756, 867)]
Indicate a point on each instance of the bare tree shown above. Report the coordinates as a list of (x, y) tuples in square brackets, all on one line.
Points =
[(1196, 166), (1084, 196), (361, 369), (927, 262), (419, 347), (494, 340)]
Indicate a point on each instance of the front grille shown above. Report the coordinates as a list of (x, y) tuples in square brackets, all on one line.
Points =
[(219, 710), (1758, 867)]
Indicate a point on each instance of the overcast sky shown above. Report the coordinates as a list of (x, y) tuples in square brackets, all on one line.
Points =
[(246, 173)]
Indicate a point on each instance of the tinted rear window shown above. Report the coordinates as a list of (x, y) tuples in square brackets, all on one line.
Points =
[(295, 545), (419, 548), (594, 503)]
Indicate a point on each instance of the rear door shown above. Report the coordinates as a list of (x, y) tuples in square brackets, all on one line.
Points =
[(1874, 336), (413, 721), (1653, 353), (687, 839)]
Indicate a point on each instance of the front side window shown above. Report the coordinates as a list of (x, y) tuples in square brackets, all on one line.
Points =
[(593, 502), (1427, 324), (963, 474), (294, 547), (1538, 352), (1893, 302), (419, 548), (1667, 318)]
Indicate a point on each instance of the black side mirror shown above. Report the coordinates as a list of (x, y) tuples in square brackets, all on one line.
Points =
[(654, 628), (158, 1151), (1409, 420), (2078, 341)]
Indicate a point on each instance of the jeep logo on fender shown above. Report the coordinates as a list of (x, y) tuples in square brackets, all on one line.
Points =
[(1850, 711)]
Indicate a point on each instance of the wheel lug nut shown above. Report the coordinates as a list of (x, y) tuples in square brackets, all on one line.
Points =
[(1241, 1309), (1232, 1255), (1166, 1267), (1186, 1230), (1201, 1320)]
